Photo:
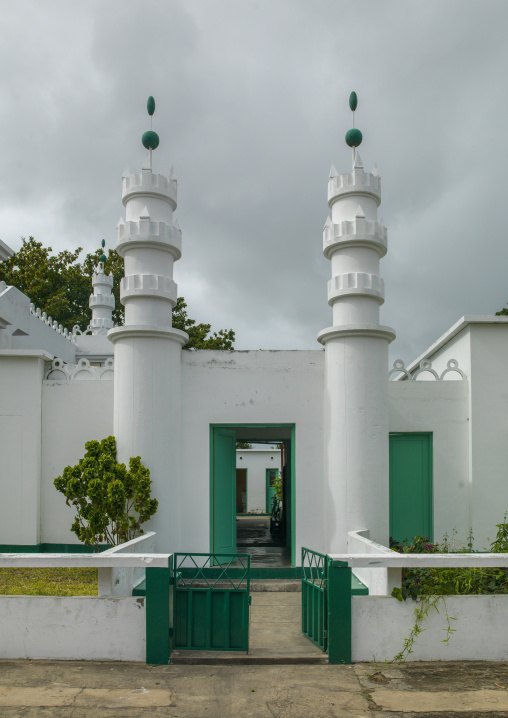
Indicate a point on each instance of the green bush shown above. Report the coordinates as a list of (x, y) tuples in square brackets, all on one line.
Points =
[(111, 501)]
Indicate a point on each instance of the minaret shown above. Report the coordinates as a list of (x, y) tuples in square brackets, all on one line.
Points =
[(102, 301), (356, 358), (147, 391)]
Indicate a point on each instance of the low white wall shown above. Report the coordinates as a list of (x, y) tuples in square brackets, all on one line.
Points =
[(72, 628), (379, 581), (121, 581), (380, 625)]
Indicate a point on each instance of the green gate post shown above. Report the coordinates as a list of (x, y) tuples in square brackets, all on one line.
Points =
[(157, 615), (339, 612)]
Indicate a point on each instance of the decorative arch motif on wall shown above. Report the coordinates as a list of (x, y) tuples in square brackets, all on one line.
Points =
[(82, 371), (425, 366)]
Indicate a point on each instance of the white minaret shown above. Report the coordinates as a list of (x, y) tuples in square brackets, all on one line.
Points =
[(356, 358), (102, 301), (147, 391)]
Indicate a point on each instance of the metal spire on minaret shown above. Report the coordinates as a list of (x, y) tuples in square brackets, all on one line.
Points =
[(150, 138), (353, 136)]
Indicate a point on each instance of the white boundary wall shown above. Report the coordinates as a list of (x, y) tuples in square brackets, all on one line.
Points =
[(99, 628), (73, 628), (381, 623)]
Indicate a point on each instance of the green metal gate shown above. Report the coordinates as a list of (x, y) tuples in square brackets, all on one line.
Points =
[(211, 602), (315, 597)]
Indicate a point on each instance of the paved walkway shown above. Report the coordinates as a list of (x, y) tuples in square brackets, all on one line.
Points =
[(275, 636), (40, 689)]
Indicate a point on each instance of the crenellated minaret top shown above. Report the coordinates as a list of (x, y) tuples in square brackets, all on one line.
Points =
[(354, 241)]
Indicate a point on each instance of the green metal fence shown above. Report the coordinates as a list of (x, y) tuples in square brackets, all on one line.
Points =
[(314, 597), (326, 604), (211, 602)]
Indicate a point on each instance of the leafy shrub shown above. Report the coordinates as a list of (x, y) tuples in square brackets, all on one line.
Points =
[(111, 501)]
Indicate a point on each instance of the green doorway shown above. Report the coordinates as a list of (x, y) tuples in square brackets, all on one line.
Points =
[(223, 481), (411, 506)]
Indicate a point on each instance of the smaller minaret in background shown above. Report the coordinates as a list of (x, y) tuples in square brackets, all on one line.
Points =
[(102, 301), (356, 357)]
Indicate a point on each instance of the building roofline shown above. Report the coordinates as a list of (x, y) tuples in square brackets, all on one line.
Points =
[(452, 332)]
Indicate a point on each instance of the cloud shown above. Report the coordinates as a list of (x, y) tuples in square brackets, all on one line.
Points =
[(252, 110)]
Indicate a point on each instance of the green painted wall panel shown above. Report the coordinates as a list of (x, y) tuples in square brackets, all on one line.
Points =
[(224, 490)]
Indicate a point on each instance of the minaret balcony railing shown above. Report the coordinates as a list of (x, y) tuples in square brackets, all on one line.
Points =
[(148, 285), (355, 233), (102, 300), (356, 182), (147, 183), (356, 283), (144, 232)]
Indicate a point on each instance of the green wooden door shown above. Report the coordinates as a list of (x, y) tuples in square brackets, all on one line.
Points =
[(410, 486), (224, 491)]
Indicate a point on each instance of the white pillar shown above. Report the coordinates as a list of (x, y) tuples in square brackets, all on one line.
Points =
[(147, 392), (356, 362)]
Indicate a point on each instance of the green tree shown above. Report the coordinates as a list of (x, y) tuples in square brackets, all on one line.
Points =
[(111, 501), (243, 445), (61, 286), (502, 313)]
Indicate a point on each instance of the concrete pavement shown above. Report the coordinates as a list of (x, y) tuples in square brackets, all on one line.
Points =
[(105, 690)]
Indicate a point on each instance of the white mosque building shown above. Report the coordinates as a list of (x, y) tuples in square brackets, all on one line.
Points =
[(423, 453)]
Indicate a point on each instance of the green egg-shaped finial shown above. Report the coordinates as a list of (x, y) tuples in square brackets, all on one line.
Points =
[(103, 243), (150, 140), (353, 101), (103, 258), (354, 137), (150, 105)]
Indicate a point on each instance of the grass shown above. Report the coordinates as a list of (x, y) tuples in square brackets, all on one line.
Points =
[(48, 581)]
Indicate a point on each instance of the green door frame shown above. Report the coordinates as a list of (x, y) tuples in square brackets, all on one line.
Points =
[(292, 492), (427, 469)]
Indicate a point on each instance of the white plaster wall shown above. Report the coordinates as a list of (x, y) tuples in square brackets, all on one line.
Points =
[(72, 628), (458, 348), (489, 430), (73, 412), (380, 625), (257, 461), (441, 408), (20, 446), (274, 387)]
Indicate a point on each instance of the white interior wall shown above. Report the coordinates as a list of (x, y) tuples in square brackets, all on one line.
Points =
[(258, 387), (257, 461), (442, 408)]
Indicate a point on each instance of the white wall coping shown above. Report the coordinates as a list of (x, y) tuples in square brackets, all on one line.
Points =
[(30, 353), (422, 560), (462, 323), (81, 560), (366, 540), (133, 542), (5, 251)]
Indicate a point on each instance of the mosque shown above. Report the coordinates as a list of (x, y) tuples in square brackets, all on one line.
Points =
[(420, 449)]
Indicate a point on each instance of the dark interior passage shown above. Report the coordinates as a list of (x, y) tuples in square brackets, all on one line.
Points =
[(266, 549)]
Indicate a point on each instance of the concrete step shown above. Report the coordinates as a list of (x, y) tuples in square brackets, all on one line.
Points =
[(225, 658), (279, 585)]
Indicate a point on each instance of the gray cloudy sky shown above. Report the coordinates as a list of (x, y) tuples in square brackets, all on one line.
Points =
[(252, 107)]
